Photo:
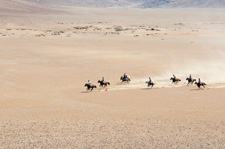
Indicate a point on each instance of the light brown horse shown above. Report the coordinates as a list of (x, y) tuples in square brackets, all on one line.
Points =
[(103, 84)]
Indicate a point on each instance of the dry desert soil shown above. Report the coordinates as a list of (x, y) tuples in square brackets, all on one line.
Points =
[(46, 57)]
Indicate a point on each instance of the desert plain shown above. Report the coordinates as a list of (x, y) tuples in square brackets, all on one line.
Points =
[(47, 56)]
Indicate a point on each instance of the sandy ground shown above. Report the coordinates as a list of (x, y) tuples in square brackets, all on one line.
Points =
[(47, 59)]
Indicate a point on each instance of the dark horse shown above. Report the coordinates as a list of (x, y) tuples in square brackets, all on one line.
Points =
[(103, 84), (175, 80), (190, 81), (150, 83), (123, 80), (200, 84), (90, 87)]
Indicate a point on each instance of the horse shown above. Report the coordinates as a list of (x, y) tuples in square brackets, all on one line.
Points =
[(190, 81), (103, 84), (127, 80), (175, 80), (200, 84), (150, 83), (90, 87)]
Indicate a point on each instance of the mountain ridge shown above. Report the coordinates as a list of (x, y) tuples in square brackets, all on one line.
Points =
[(136, 3), (39, 5)]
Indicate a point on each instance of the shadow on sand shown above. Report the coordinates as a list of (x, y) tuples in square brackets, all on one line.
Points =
[(196, 89), (86, 92), (146, 89)]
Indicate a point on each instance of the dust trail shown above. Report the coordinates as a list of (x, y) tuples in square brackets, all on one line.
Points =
[(140, 83), (161, 82)]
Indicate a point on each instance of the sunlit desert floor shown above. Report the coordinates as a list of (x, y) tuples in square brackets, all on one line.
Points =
[(45, 60)]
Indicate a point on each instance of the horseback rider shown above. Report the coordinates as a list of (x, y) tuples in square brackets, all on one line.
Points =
[(125, 76), (89, 82), (150, 80), (199, 81), (103, 79), (174, 77), (190, 77)]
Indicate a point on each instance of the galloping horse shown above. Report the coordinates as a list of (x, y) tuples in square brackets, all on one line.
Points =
[(175, 80), (150, 83), (200, 84), (90, 87), (103, 84), (190, 81), (123, 80)]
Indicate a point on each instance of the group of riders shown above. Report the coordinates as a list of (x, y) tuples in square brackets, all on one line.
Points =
[(190, 79), (125, 77), (90, 83)]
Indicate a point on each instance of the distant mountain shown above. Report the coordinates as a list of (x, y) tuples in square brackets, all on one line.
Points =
[(37, 4), (155, 3), (183, 4), (90, 3), (15, 6)]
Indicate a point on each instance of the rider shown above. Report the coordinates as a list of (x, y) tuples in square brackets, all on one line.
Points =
[(150, 80), (103, 79), (125, 76), (89, 82), (174, 77), (199, 81), (190, 78)]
